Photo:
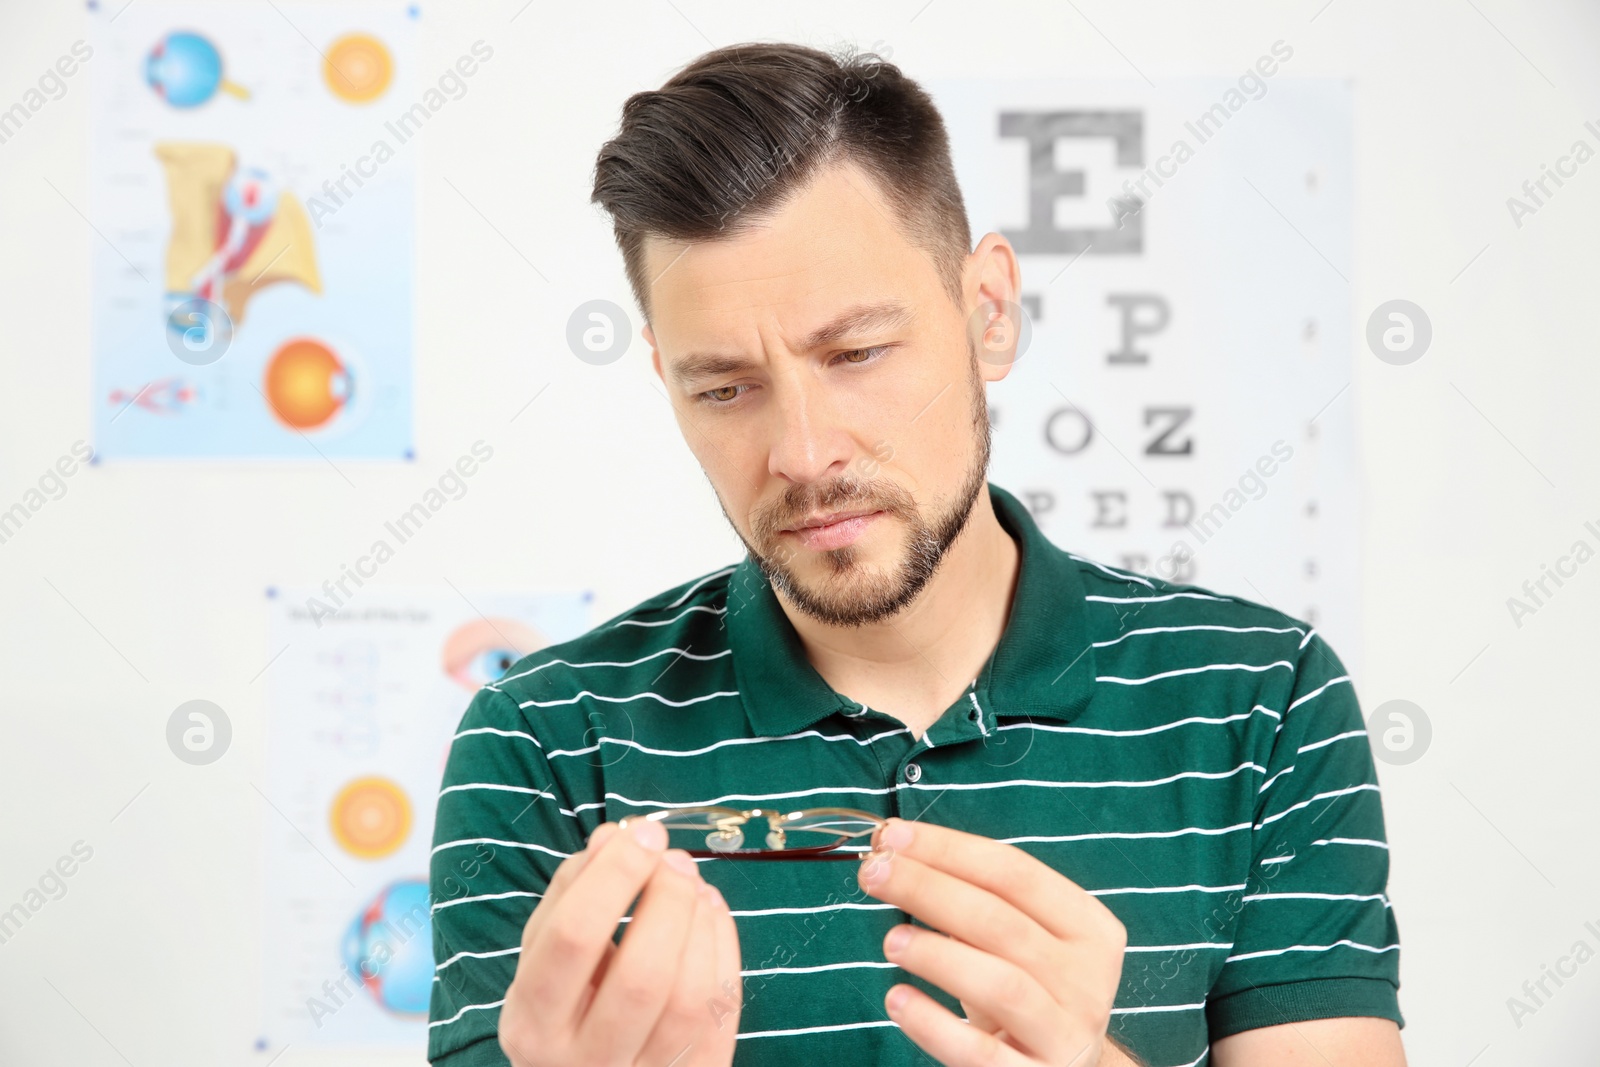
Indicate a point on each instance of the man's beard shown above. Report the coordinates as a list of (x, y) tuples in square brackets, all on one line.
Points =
[(856, 596)]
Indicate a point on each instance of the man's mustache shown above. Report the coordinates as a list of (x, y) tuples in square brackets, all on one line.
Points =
[(800, 501)]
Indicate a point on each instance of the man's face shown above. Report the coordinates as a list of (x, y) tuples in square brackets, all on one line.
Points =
[(830, 390)]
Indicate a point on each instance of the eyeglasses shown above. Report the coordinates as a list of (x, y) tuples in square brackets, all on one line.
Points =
[(812, 834)]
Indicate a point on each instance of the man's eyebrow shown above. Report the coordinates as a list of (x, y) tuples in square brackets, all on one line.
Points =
[(695, 368), (860, 318)]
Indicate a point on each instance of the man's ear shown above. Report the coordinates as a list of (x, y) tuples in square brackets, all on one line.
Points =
[(994, 282)]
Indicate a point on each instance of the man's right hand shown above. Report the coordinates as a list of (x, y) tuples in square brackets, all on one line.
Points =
[(580, 1000)]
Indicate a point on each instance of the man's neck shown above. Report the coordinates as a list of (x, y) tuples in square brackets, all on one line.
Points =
[(918, 662)]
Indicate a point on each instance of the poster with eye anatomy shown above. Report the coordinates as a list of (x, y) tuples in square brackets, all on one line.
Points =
[(363, 700), (250, 277), (1182, 405)]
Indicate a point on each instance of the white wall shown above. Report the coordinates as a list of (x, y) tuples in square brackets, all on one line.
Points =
[(141, 588)]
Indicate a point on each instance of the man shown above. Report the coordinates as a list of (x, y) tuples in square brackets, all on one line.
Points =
[(1130, 821)]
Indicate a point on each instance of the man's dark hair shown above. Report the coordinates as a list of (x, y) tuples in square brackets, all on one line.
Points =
[(731, 137)]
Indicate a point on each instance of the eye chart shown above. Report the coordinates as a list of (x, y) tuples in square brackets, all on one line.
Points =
[(1181, 405)]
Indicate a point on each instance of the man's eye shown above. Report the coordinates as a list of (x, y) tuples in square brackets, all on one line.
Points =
[(721, 394), (862, 355)]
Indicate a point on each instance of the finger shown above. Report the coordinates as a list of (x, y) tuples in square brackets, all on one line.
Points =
[(1006, 993), (685, 1022), (573, 935), (557, 887), (601, 968), (644, 973), (976, 1015), (601, 835), (965, 911), (559, 882), (593, 985), (728, 1000), (946, 1038), (1027, 883)]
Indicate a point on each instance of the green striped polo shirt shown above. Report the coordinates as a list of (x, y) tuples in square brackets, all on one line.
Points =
[(1196, 761)]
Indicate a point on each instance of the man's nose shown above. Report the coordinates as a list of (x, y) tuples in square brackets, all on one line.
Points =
[(808, 444)]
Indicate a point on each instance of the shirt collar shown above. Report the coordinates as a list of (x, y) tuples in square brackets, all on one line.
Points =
[(1042, 666)]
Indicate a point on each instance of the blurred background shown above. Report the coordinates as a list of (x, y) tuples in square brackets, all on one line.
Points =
[(326, 400)]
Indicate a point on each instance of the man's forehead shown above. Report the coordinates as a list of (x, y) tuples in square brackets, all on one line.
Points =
[(831, 246)]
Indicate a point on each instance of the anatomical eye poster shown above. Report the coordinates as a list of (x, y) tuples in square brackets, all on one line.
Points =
[(251, 192), (1182, 405), (364, 694)]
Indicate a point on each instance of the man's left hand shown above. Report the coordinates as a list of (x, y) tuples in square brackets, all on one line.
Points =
[(1033, 958)]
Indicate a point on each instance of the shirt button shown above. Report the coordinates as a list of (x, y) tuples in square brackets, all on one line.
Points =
[(913, 772)]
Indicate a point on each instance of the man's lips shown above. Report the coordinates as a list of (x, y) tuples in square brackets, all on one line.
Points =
[(835, 530)]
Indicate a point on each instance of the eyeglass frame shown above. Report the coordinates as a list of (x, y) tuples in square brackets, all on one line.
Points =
[(734, 818)]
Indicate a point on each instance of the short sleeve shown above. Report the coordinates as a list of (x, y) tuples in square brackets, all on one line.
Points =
[(1315, 936), (503, 826)]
